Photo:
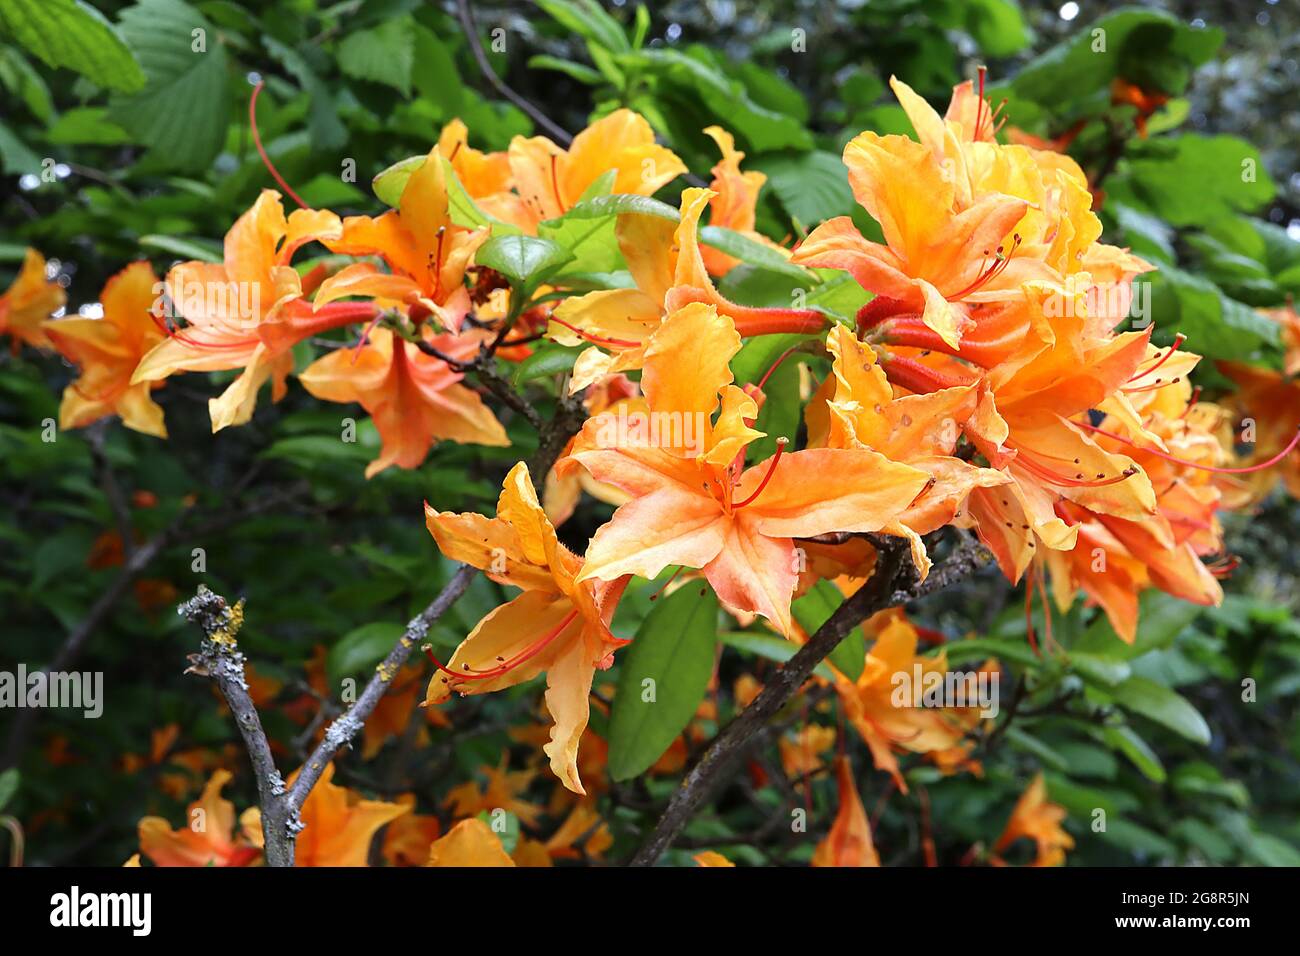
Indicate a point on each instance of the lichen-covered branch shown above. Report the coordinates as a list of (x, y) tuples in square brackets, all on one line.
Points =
[(220, 659)]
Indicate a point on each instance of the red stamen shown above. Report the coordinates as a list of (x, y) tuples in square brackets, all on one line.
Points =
[(664, 586), (598, 339), (437, 264), (1224, 566), (1248, 469), (1000, 264), (555, 183), (775, 365), (365, 336), (1029, 613), (1196, 397), (257, 141), (529, 652), (1179, 339), (771, 470), (1065, 481)]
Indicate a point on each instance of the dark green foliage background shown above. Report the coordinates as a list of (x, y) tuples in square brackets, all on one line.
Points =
[(157, 161)]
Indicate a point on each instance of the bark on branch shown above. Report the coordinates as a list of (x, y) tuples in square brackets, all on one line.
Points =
[(893, 583)]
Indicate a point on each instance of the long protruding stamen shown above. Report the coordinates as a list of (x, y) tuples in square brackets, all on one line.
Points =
[(771, 470), (1179, 339), (1245, 470), (1025, 459), (505, 666), (591, 337), (1000, 263), (777, 364), (555, 183), (663, 587), (257, 141)]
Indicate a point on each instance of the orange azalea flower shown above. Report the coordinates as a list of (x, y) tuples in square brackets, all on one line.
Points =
[(108, 351), (427, 252), (469, 843), (1145, 101), (481, 174), (550, 179), (583, 826), (415, 399), (849, 842), (339, 824), (1038, 819), (667, 265), (1288, 321), (944, 244), (801, 756), (1270, 404), (208, 837), (1027, 426), (856, 408), (501, 792), (871, 703), (711, 858), (734, 201), (407, 839), (231, 306), (559, 625), (28, 302), (694, 505)]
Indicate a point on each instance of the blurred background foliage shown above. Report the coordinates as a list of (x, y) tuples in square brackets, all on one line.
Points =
[(116, 145)]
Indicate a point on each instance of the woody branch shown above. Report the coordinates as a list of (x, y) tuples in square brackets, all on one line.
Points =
[(220, 659), (893, 583)]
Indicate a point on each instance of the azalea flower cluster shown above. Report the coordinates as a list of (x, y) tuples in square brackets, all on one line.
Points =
[(986, 384)]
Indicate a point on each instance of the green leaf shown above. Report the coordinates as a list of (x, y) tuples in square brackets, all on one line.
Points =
[(773, 648), (813, 187), (526, 261), (327, 130), (749, 250), (674, 649), (1100, 670), (65, 33), (621, 204), (1126, 740), (575, 71), (383, 54), (1229, 174), (86, 126), (1162, 705), (997, 26), (814, 609), (200, 249), (762, 129), (16, 157), (8, 786), (362, 648), (181, 111), (435, 75), (546, 361), (589, 20)]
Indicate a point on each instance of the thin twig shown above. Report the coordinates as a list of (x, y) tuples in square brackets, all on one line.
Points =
[(344, 728), (470, 27)]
